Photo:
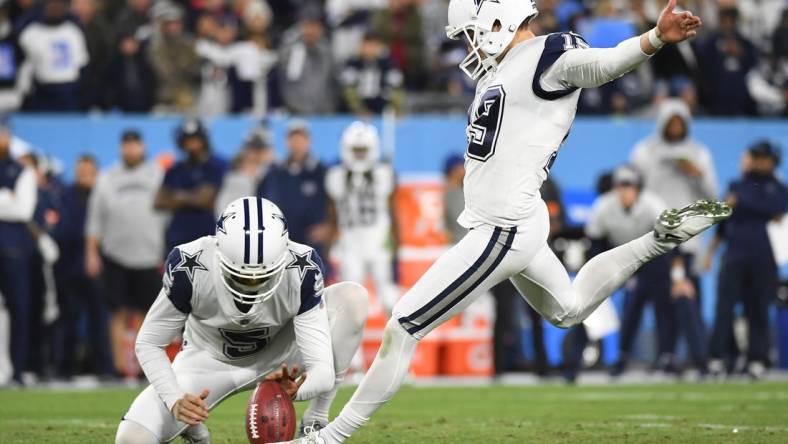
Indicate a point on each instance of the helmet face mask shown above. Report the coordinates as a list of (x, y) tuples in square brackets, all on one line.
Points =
[(252, 241), (477, 62), (488, 27), (251, 287)]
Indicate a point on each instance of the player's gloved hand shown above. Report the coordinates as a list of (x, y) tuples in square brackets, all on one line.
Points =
[(674, 27), (289, 380), (191, 409)]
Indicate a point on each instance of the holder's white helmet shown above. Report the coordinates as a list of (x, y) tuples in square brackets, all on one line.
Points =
[(475, 20), (360, 146), (252, 237)]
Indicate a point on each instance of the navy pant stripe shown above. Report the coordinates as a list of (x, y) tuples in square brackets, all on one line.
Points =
[(260, 229), (247, 253), (507, 246), (459, 281)]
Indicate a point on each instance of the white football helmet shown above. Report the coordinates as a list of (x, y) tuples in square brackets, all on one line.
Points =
[(475, 20), (252, 237), (360, 147)]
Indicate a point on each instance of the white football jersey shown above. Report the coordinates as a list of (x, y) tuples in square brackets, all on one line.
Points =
[(362, 199), (193, 283), (515, 129)]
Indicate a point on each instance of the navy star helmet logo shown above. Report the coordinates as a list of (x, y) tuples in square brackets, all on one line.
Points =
[(303, 263), (480, 3), (189, 263), (220, 223)]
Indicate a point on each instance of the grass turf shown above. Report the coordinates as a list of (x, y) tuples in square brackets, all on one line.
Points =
[(549, 413)]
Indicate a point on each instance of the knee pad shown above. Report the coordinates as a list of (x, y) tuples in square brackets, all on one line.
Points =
[(351, 299), (129, 432), (565, 319)]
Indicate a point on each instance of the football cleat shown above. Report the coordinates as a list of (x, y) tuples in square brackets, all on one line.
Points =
[(310, 435), (314, 426), (678, 226)]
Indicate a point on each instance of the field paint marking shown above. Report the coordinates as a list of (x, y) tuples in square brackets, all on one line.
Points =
[(743, 428), (91, 423), (649, 416), (678, 396), (664, 425)]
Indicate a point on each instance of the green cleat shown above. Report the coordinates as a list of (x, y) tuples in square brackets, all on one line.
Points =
[(678, 226)]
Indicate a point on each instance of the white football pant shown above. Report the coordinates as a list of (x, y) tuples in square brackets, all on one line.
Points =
[(196, 370), (486, 256)]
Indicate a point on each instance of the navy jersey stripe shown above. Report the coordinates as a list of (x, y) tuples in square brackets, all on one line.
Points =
[(507, 246), (459, 281), (260, 229), (553, 49), (177, 285), (247, 253), (312, 285)]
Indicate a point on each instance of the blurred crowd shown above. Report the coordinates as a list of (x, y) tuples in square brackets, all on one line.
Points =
[(213, 57)]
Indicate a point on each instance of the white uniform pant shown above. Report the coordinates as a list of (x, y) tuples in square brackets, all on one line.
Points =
[(195, 370), (486, 256)]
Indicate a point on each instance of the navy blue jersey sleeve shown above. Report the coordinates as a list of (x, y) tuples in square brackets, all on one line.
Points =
[(312, 284), (178, 281), (555, 46)]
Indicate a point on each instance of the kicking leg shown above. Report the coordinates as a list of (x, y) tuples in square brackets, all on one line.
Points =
[(456, 279), (546, 286), (347, 304)]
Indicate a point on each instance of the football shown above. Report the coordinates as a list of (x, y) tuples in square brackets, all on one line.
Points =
[(270, 415)]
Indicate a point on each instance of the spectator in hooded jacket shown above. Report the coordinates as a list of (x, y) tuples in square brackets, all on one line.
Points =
[(174, 60), (679, 170)]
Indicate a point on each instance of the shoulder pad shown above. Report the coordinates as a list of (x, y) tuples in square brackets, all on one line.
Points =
[(310, 268), (555, 45), (180, 270)]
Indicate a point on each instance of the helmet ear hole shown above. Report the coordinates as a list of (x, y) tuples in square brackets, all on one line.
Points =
[(496, 25)]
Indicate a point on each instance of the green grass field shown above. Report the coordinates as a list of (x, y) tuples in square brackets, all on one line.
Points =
[(708, 413)]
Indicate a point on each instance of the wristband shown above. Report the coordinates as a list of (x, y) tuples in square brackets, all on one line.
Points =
[(653, 40)]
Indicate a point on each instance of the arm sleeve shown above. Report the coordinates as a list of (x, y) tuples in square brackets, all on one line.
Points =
[(20, 205), (162, 324), (314, 343), (567, 64)]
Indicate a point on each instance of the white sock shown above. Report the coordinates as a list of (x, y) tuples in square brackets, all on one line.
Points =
[(320, 405), (608, 271), (381, 382), (347, 305)]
